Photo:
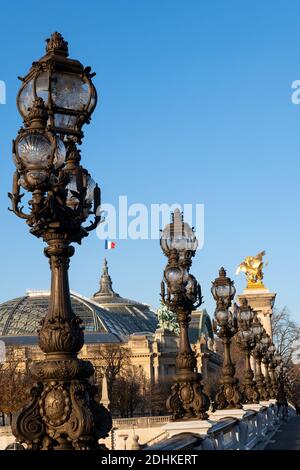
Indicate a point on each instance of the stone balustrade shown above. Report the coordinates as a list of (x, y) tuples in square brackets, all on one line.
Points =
[(141, 422), (247, 429), (251, 430)]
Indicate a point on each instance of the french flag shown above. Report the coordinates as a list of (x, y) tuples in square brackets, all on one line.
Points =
[(109, 245)]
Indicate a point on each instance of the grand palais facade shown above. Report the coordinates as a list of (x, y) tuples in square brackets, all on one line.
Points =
[(109, 318)]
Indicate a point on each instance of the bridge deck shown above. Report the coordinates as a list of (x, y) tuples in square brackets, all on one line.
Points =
[(287, 437)]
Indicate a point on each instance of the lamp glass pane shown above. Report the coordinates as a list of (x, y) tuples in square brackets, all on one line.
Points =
[(42, 86), (60, 154), (72, 201), (223, 290), (93, 101), (26, 98), (222, 315), (69, 91), (65, 121), (174, 276), (90, 190)]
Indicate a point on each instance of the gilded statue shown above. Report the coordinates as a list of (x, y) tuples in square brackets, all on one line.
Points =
[(252, 266)]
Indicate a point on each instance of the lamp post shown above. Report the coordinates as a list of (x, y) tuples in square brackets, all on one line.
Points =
[(246, 341), (56, 98), (258, 353), (272, 367), (225, 326), (266, 359), (281, 397), (181, 293), (278, 362)]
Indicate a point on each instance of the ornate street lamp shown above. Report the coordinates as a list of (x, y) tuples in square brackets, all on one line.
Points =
[(266, 359), (183, 295), (63, 413), (258, 353), (225, 326), (281, 397), (272, 367), (246, 341)]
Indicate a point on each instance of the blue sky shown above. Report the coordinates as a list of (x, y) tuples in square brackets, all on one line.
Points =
[(195, 107)]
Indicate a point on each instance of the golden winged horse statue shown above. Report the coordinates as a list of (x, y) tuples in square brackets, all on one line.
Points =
[(252, 267)]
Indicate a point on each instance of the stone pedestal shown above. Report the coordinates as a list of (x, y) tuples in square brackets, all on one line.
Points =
[(195, 426), (266, 403), (253, 407), (262, 302), (227, 413)]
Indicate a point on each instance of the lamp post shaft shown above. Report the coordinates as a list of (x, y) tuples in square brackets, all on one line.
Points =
[(261, 386), (268, 383), (250, 390), (185, 360), (228, 394), (273, 380)]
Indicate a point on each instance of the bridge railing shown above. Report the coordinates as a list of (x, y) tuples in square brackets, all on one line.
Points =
[(253, 430)]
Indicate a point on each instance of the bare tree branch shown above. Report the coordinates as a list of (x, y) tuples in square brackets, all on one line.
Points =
[(286, 334)]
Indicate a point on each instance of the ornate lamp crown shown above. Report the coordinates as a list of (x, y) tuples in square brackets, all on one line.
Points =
[(57, 45)]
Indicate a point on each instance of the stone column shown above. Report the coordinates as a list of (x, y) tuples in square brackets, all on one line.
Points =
[(104, 396), (253, 366), (262, 302)]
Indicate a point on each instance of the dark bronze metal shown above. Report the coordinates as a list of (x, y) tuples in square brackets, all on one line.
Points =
[(63, 413), (258, 354), (225, 326), (266, 359), (272, 369), (246, 341), (178, 242), (282, 381)]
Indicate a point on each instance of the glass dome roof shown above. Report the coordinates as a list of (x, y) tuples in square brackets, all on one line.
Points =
[(22, 316)]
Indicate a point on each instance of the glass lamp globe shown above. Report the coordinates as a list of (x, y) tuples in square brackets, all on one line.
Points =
[(192, 288), (65, 86), (176, 279), (247, 314), (36, 155), (222, 316), (178, 235), (246, 335), (223, 287), (257, 329), (35, 151), (223, 290)]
